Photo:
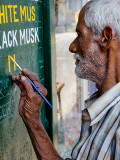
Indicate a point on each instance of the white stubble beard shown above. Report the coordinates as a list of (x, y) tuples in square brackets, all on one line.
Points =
[(83, 70)]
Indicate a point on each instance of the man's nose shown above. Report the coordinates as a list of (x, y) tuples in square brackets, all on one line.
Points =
[(73, 47)]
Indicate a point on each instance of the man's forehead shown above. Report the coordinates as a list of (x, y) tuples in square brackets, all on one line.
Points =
[(81, 16), (81, 21), (80, 24)]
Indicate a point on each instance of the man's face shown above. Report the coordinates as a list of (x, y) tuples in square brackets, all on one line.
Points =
[(91, 62)]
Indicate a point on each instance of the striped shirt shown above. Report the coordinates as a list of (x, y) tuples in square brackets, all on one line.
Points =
[(100, 131)]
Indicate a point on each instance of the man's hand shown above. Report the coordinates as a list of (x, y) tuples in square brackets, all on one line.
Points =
[(29, 109), (30, 101)]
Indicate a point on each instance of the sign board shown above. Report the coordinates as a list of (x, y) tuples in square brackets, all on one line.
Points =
[(21, 37)]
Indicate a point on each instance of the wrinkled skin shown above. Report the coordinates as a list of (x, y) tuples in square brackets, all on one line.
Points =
[(92, 63), (98, 58), (99, 61), (29, 109), (29, 97)]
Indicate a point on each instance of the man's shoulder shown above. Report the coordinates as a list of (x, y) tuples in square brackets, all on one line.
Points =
[(100, 107)]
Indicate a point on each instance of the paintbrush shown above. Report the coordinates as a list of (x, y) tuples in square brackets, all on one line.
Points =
[(33, 85)]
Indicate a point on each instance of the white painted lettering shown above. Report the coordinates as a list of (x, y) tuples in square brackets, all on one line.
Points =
[(32, 36), (9, 41), (22, 37), (28, 36), (36, 34), (4, 42), (14, 38)]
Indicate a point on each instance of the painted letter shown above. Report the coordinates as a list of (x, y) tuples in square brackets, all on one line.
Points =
[(6, 13), (28, 35), (32, 36), (22, 37), (9, 57), (4, 42), (14, 12), (29, 13), (9, 41), (23, 12), (33, 13), (2, 14), (14, 38), (10, 7), (36, 34)]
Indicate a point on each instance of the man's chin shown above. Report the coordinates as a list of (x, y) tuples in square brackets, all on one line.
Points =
[(82, 76), (79, 75)]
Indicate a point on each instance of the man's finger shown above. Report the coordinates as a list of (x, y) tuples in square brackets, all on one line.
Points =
[(27, 85), (33, 76), (35, 80), (14, 78), (17, 81)]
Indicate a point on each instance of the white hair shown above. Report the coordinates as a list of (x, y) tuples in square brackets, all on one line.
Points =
[(100, 13)]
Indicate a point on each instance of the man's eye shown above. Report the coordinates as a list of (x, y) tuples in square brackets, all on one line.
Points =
[(79, 37)]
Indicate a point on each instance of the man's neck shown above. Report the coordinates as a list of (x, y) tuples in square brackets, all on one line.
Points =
[(113, 71)]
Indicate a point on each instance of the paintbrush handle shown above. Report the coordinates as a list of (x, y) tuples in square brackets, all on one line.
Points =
[(35, 88)]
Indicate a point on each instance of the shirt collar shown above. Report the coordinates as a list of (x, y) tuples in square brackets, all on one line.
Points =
[(91, 99), (98, 106)]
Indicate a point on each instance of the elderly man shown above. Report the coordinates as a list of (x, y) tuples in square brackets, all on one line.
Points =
[(97, 50)]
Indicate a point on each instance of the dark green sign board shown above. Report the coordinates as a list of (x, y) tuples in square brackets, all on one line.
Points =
[(21, 37)]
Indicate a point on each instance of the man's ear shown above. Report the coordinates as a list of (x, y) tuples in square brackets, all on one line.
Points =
[(106, 38)]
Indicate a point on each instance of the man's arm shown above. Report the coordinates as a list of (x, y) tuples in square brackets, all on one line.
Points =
[(42, 145), (29, 109)]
